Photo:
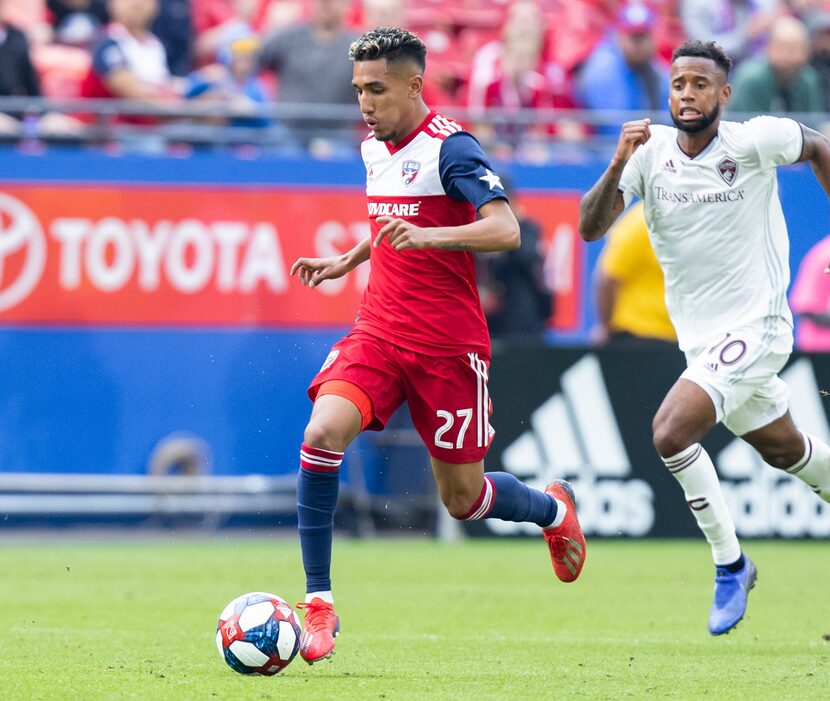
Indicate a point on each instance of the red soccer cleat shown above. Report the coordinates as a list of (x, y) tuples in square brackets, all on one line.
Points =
[(565, 541), (320, 627)]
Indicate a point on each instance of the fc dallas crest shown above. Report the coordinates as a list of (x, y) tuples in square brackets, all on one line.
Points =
[(728, 170), (409, 171)]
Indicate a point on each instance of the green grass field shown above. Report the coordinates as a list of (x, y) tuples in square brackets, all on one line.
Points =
[(421, 620)]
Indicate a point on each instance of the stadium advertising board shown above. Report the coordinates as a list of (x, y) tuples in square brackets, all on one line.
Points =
[(586, 416), (119, 254)]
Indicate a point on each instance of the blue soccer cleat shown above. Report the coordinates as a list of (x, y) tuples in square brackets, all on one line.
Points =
[(731, 593)]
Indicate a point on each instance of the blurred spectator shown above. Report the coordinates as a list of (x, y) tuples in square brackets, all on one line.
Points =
[(60, 66), (810, 299), (381, 13), (174, 28), (76, 22), (30, 17), (513, 81), (806, 9), (516, 299), (267, 16), (739, 26), (214, 21), (19, 78), (17, 74), (451, 44), (312, 67), (819, 26), (233, 81), (624, 72), (630, 294), (781, 81), (129, 61), (513, 72), (669, 31), (579, 27), (523, 23)]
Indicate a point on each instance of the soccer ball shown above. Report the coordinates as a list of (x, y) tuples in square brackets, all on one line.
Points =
[(258, 633)]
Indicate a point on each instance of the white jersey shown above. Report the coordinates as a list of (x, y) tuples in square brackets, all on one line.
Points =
[(716, 224)]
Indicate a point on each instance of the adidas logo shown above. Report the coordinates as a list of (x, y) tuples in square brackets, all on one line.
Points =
[(574, 435), (766, 502), (668, 166), (573, 556)]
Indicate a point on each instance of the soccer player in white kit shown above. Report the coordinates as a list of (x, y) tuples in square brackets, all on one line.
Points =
[(717, 228)]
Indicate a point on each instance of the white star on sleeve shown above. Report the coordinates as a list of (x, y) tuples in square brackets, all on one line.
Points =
[(491, 179)]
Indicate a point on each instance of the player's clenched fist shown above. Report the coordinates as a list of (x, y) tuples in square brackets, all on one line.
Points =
[(400, 234), (632, 135)]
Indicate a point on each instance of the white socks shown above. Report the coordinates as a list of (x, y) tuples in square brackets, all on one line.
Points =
[(694, 470), (561, 510), (324, 595), (814, 468)]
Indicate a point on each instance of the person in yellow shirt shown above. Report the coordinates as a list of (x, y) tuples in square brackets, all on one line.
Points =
[(630, 296)]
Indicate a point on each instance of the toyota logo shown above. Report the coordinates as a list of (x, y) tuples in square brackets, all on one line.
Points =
[(20, 232)]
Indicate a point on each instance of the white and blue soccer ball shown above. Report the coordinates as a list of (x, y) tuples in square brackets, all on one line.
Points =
[(258, 633)]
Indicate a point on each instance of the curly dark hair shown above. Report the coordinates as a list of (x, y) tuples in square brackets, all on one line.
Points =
[(704, 49), (390, 43)]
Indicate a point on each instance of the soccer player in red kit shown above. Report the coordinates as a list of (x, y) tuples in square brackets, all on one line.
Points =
[(420, 334)]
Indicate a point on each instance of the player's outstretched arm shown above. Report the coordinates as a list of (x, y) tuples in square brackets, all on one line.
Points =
[(603, 203), (816, 149), (495, 230), (313, 271)]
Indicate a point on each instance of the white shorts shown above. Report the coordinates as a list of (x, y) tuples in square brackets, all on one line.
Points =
[(739, 372)]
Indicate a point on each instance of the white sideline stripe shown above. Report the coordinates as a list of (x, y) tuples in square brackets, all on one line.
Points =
[(71, 482), (146, 504)]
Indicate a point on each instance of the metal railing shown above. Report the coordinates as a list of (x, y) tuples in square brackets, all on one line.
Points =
[(208, 124)]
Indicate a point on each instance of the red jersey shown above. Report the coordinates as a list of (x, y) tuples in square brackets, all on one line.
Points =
[(426, 300)]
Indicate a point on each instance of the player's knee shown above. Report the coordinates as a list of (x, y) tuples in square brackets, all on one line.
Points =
[(667, 440), (324, 436), (781, 457)]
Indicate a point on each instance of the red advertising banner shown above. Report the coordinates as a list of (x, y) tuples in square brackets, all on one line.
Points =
[(121, 254)]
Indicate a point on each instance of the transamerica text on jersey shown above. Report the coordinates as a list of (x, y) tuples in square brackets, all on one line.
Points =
[(662, 193)]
